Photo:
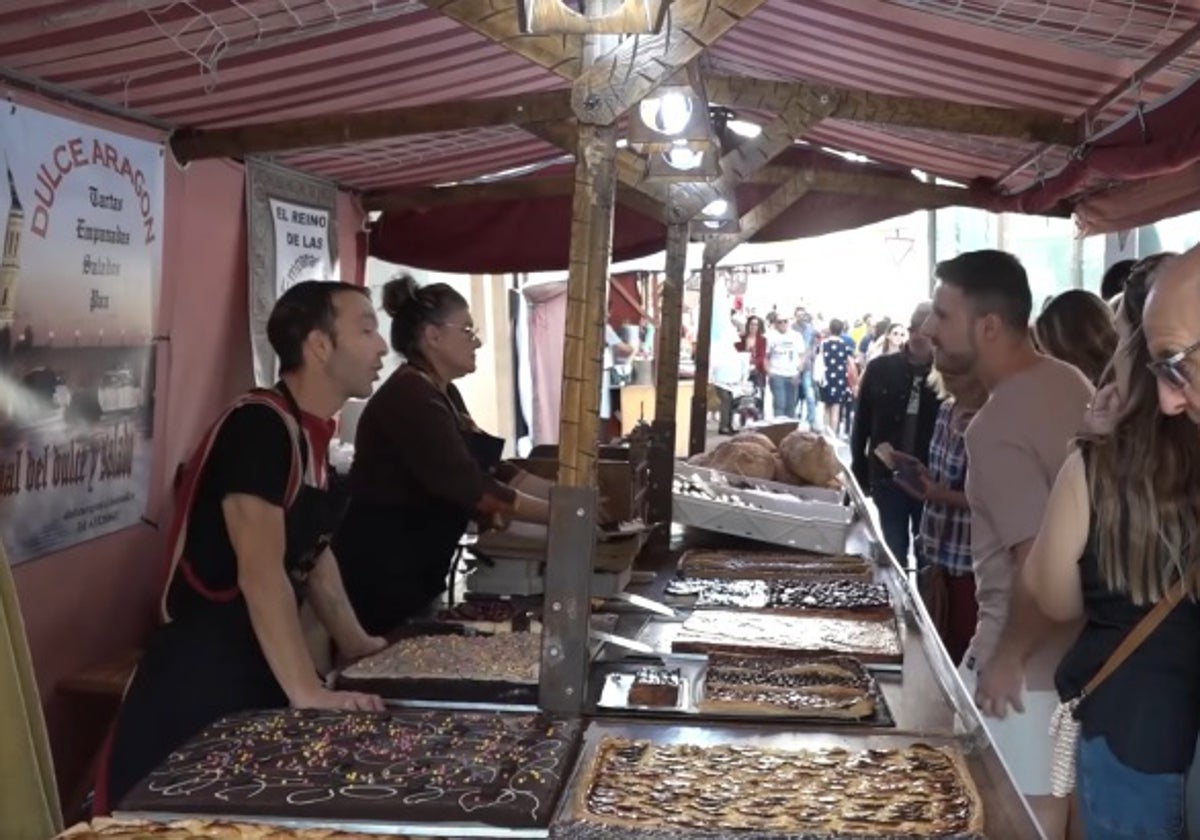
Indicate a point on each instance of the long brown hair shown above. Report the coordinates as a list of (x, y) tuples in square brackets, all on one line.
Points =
[(1144, 487), (1077, 327)]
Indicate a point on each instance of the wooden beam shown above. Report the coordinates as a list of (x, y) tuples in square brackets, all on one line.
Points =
[(515, 189), (621, 79), (699, 424), (500, 21), (904, 111), (310, 132), (666, 355), (802, 112), (666, 391), (761, 215)]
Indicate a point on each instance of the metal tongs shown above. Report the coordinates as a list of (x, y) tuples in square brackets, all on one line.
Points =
[(620, 641), (644, 603)]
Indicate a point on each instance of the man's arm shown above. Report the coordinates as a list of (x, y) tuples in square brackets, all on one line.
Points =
[(1051, 573), (256, 530), (332, 606)]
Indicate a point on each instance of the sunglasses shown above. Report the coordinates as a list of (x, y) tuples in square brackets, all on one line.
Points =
[(1172, 370)]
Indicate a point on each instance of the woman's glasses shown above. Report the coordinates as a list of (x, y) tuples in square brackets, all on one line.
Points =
[(472, 331)]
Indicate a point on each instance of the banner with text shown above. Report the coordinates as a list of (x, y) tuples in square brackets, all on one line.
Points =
[(292, 237), (79, 278)]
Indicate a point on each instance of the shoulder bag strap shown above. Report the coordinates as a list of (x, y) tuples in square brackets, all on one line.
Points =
[(1137, 635)]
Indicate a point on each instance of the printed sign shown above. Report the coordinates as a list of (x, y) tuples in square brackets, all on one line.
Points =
[(79, 277)]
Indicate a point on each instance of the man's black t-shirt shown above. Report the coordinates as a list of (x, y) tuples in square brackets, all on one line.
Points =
[(252, 454)]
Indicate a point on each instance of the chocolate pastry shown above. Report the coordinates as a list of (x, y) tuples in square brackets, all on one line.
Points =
[(395, 766), (820, 687), (915, 791), (105, 828), (505, 657), (850, 598), (755, 633), (655, 687)]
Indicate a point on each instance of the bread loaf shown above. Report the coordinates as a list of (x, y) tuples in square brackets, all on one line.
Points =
[(810, 457), (745, 459), (756, 438)]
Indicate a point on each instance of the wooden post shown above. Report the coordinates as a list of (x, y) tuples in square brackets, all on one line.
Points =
[(699, 431), (571, 542), (666, 355), (666, 389), (591, 245)]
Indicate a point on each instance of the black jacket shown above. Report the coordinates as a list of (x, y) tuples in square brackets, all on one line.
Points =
[(879, 416)]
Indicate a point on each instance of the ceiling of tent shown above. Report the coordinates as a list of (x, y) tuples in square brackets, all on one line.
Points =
[(225, 63)]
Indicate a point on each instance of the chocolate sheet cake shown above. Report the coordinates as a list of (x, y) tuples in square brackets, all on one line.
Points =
[(723, 631), (396, 766), (772, 565), (850, 598), (502, 668), (105, 828), (640, 789), (823, 687)]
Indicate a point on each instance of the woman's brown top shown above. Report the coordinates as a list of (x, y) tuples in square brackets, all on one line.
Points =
[(411, 447)]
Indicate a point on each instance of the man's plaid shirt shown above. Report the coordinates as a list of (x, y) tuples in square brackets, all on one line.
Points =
[(946, 531)]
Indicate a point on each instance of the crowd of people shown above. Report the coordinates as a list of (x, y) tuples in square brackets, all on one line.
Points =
[(1042, 476), (799, 367)]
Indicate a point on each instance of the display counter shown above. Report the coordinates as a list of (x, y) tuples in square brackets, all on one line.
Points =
[(923, 706)]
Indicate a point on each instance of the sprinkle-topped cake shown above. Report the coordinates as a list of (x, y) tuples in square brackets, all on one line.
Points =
[(396, 766)]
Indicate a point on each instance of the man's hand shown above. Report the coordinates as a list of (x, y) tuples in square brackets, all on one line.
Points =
[(348, 701), (1001, 684)]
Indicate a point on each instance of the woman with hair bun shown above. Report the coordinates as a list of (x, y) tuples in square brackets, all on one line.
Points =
[(422, 468)]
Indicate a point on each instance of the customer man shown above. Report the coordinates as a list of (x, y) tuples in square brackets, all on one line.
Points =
[(250, 543), (806, 405), (786, 356), (897, 406), (1015, 445)]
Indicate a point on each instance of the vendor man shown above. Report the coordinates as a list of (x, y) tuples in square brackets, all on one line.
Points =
[(250, 543)]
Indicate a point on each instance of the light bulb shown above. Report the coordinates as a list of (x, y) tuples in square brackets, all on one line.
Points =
[(683, 158), (667, 114), (716, 208)]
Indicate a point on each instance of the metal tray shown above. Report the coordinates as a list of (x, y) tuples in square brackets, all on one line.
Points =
[(384, 829), (613, 680), (1005, 814), (814, 532), (828, 495)]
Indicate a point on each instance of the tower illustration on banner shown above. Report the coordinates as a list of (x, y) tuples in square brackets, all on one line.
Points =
[(10, 270)]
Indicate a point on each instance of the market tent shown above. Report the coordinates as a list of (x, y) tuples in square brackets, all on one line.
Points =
[(239, 64)]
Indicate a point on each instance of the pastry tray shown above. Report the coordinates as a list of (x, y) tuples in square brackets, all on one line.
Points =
[(1003, 817), (439, 693), (613, 680), (384, 829), (660, 633)]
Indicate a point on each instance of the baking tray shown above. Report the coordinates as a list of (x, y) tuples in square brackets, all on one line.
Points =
[(1005, 814), (829, 495), (611, 683), (434, 693), (383, 829)]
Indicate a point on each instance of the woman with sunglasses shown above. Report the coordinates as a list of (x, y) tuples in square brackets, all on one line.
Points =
[(1119, 532), (422, 469)]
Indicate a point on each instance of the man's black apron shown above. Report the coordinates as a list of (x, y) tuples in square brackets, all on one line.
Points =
[(395, 560), (206, 661)]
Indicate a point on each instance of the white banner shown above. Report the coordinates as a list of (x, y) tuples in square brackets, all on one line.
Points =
[(292, 237), (302, 249), (82, 209)]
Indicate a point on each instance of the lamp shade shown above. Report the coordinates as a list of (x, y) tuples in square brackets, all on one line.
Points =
[(632, 17)]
